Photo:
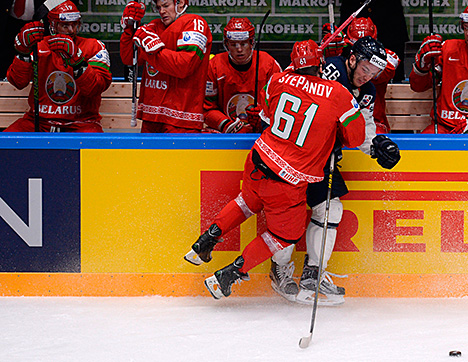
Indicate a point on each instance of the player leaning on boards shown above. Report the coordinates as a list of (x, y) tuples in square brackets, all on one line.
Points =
[(73, 73), (451, 68), (306, 112), (175, 53), (230, 88), (365, 60)]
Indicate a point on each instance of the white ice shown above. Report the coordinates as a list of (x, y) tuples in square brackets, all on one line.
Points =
[(231, 329)]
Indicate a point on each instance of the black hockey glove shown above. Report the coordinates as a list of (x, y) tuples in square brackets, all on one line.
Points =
[(385, 151)]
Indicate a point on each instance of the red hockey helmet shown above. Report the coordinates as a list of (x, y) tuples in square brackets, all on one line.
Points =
[(361, 27), (239, 29), (65, 12), (305, 54)]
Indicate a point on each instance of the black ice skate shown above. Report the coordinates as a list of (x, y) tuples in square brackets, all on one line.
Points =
[(330, 294), (282, 280), (202, 248), (220, 283)]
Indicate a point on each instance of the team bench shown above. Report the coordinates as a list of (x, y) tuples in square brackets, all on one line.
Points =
[(407, 111)]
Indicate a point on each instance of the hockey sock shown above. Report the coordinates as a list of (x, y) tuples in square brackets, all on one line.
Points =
[(230, 217), (255, 253)]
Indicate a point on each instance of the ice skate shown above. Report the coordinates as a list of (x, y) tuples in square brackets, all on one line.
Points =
[(219, 285), (282, 280), (329, 293), (202, 248)]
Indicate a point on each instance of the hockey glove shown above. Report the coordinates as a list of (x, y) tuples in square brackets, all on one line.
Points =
[(431, 48), (30, 34), (64, 46), (134, 11), (228, 126), (147, 39), (335, 48), (253, 117), (385, 151)]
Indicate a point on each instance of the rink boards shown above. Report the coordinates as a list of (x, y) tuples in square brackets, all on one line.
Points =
[(114, 215)]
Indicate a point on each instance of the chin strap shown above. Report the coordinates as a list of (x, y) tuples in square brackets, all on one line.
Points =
[(183, 10)]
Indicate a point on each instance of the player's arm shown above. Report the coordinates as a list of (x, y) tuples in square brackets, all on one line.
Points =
[(351, 124), (97, 77), (190, 52), (20, 72), (133, 12), (431, 49)]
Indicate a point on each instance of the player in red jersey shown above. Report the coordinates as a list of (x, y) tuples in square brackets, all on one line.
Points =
[(230, 88), (73, 73), (174, 51), (305, 112), (451, 66)]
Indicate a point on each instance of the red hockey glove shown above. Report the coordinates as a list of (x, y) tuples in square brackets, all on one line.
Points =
[(147, 39), (64, 46), (253, 117), (335, 48), (228, 126), (30, 34), (134, 11), (431, 48)]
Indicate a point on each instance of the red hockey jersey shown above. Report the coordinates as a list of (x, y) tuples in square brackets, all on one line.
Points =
[(452, 101), (229, 91), (173, 82), (305, 113), (62, 98)]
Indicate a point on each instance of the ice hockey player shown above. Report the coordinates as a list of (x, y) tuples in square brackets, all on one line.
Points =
[(359, 28), (73, 73), (305, 113), (230, 88), (451, 59), (174, 51), (366, 59)]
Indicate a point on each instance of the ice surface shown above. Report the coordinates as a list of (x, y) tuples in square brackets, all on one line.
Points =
[(232, 329)]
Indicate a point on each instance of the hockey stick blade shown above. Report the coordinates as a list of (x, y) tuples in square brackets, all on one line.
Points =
[(305, 341), (44, 9)]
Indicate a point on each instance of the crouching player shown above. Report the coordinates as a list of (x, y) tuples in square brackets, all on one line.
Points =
[(73, 73), (306, 112)]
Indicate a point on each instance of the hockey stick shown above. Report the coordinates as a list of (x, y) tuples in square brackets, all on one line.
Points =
[(258, 58), (133, 121), (305, 341), (331, 16), (434, 95), (344, 25), (40, 14)]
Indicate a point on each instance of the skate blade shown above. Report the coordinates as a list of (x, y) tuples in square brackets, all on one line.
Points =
[(212, 285), (289, 297), (193, 258), (308, 296)]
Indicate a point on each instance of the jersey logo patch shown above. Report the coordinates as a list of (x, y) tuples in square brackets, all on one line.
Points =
[(366, 100), (460, 96), (152, 71), (235, 107), (60, 87)]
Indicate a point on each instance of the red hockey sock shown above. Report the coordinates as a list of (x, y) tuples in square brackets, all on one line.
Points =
[(255, 253), (230, 217)]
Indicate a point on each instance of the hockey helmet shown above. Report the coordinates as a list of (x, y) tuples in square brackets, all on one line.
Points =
[(305, 54), (361, 27), (65, 12), (370, 49), (239, 29), (464, 15)]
